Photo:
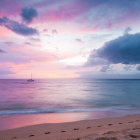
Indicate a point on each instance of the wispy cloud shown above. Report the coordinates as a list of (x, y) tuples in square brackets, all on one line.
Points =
[(138, 67), (79, 40), (54, 31), (2, 51), (16, 27), (6, 72), (105, 68), (127, 30)]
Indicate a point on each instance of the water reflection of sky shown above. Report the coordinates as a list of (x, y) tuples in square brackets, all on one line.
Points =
[(67, 95), (15, 121)]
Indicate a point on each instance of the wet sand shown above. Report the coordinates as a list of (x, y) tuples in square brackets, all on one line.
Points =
[(120, 128)]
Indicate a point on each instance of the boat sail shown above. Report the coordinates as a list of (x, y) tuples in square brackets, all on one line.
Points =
[(30, 80)]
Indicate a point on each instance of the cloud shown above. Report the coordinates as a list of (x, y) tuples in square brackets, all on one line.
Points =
[(2, 51), (28, 14), (45, 30), (54, 31), (138, 67), (5, 72), (128, 67), (28, 43), (79, 40), (93, 60), (93, 75), (105, 68), (94, 14), (35, 39), (17, 27), (124, 50), (127, 30)]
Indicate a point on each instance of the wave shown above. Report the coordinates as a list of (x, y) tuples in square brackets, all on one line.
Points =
[(39, 111)]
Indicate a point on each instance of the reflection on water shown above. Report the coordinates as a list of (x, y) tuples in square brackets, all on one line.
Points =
[(15, 121), (65, 96)]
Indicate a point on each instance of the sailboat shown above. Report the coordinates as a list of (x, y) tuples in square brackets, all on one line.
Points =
[(30, 80)]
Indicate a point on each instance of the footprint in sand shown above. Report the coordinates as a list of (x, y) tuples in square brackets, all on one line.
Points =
[(109, 132), (63, 131), (77, 139), (76, 129), (99, 126), (120, 123), (135, 128), (47, 132), (14, 138), (31, 135), (134, 136), (106, 138), (137, 120), (110, 124), (88, 127), (130, 122)]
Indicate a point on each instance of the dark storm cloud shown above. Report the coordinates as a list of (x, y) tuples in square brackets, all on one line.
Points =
[(17, 27), (124, 49), (28, 14)]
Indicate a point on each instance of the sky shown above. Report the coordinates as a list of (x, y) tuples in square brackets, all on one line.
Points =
[(70, 38)]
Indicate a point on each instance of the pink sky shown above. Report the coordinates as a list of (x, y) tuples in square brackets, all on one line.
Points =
[(54, 39)]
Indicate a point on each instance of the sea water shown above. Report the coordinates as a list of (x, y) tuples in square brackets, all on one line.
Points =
[(60, 100)]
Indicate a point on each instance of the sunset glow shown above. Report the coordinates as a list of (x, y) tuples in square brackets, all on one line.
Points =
[(67, 39)]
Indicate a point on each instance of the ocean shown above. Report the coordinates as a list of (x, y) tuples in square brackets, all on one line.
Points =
[(62, 100)]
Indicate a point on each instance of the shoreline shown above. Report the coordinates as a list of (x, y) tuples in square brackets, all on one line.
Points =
[(21, 120), (125, 127)]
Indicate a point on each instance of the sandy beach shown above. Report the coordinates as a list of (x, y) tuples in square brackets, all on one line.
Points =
[(120, 128)]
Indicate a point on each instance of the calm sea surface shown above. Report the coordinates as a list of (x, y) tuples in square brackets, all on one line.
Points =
[(59, 100)]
